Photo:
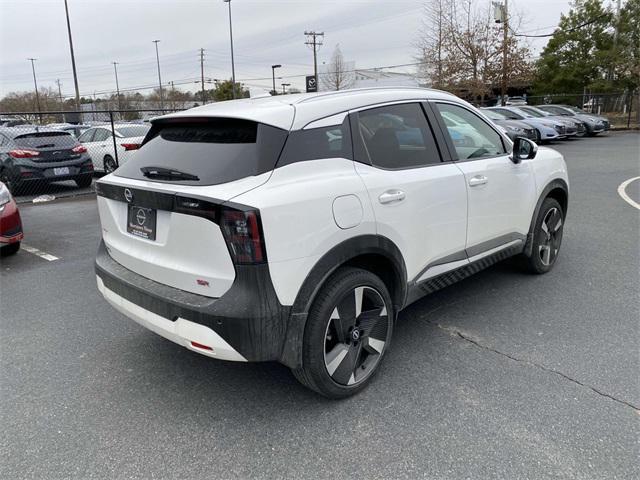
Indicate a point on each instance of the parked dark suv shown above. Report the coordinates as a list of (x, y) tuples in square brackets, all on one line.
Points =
[(35, 155)]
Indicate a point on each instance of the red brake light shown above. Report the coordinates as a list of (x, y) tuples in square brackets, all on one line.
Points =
[(79, 149), (241, 230), (22, 153), (131, 146)]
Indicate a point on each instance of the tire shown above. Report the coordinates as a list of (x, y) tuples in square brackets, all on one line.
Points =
[(10, 249), (14, 187), (538, 139), (84, 182), (108, 164), (547, 237), (342, 351)]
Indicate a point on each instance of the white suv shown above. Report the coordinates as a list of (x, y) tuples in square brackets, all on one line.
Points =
[(295, 228)]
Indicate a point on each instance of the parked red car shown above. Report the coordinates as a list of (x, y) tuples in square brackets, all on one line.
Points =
[(10, 224)]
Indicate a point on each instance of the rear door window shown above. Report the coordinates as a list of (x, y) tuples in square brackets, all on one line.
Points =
[(398, 136), (45, 140), (206, 151)]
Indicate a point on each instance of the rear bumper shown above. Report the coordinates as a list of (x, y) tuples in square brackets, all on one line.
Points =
[(45, 172), (246, 324)]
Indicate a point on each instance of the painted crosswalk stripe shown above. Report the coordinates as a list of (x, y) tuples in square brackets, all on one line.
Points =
[(39, 253)]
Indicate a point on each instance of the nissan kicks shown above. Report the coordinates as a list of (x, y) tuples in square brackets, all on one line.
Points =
[(295, 228)]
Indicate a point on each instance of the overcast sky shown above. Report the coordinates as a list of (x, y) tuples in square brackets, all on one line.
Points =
[(370, 32)]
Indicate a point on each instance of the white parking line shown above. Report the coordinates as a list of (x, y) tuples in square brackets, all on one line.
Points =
[(39, 253), (622, 191)]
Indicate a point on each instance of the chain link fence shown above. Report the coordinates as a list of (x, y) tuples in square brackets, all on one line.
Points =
[(59, 154)]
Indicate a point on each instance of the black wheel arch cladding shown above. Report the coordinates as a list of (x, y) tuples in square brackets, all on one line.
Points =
[(375, 253), (557, 189)]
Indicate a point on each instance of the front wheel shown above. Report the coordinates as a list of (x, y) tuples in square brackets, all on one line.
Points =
[(547, 237), (10, 249), (84, 182), (348, 331)]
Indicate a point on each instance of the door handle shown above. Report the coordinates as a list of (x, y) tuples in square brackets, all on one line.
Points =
[(391, 196), (478, 180)]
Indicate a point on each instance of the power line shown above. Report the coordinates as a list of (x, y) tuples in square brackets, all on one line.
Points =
[(582, 25)]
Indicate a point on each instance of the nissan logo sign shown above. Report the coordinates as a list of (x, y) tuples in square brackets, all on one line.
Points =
[(128, 196)]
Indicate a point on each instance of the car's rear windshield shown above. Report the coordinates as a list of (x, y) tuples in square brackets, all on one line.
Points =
[(213, 150), (45, 140), (133, 131)]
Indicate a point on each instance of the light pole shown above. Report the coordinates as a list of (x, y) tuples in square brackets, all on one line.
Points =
[(284, 87), (35, 84), (273, 74), (159, 77), (233, 68), (115, 69), (73, 60)]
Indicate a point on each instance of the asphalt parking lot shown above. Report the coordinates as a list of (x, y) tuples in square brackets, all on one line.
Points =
[(504, 375)]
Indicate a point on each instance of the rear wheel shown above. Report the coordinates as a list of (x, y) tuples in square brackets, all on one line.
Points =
[(13, 186), (547, 237), (84, 181), (109, 164), (348, 331), (10, 249)]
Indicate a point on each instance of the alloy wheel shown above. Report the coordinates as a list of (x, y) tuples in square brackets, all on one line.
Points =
[(356, 336), (552, 235), (109, 165)]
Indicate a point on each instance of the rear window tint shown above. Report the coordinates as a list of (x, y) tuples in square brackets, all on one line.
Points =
[(317, 143), (133, 131), (217, 150), (45, 140)]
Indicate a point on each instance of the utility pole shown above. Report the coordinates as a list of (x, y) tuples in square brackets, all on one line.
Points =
[(233, 68), (35, 84), (159, 77), (273, 74), (115, 69), (314, 39), (505, 47), (204, 96), (59, 83), (73, 59)]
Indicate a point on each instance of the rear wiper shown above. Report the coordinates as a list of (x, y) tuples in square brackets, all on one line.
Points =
[(162, 173)]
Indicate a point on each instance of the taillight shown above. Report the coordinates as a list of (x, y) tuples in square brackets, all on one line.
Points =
[(79, 149), (131, 146), (241, 230), (22, 153)]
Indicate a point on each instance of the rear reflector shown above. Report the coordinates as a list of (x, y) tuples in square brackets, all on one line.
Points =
[(199, 345)]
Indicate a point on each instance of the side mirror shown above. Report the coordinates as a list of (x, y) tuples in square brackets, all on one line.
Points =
[(523, 149)]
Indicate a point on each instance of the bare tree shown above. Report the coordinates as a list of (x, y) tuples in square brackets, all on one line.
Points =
[(460, 49), (338, 75)]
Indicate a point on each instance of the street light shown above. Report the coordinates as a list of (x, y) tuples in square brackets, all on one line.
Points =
[(284, 87), (273, 74), (233, 68), (159, 78)]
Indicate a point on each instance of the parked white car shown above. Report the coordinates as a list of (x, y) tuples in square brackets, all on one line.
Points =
[(295, 228), (100, 144)]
